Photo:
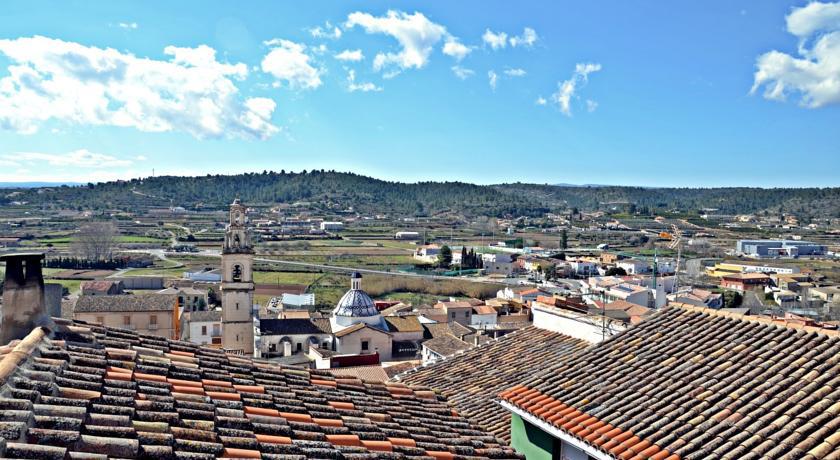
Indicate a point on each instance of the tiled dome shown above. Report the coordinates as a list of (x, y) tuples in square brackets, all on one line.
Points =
[(355, 302)]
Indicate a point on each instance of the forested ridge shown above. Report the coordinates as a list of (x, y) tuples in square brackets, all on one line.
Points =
[(337, 191)]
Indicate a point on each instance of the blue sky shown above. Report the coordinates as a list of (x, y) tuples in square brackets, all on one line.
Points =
[(651, 93)]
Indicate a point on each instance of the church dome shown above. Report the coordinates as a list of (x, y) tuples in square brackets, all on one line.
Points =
[(355, 302)]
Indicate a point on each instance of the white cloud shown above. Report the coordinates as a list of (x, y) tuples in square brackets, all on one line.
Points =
[(566, 89), (461, 72), (51, 79), (527, 39), (141, 158), (492, 78), (288, 62), (541, 101), (327, 31), (591, 105), (515, 72), (415, 33), (350, 55), (81, 158), (814, 74), (494, 40), (456, 49), (365, 87), (128, 25)]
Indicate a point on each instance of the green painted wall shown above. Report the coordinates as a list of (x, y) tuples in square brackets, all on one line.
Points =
[(531, 441)]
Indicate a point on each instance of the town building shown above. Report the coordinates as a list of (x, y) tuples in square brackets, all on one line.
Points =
[(744, 281), (723, 268), (441, 348), (407, 236), (499, 264), (203, 327), (355, 327), (147, 313), (427, 254), (209, 275), (332, 226), (237, 283), (698, 298), (633, 266), (102, 287), (779, 248), (458, 311), (190, 299)]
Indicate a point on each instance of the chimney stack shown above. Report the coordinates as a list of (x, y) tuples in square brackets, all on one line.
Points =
[(23, 296)]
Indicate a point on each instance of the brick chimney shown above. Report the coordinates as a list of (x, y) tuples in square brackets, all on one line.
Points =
[(23, 296)]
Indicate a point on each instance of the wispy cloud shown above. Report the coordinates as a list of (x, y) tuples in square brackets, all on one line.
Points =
[(415, 33), (527, 39), (81, 158), (500, 40), (566, 90), (515, 72), (493, 79), (326, 31), (128, 25), (350, 55), (462, 72), (364, 87), (456, 49), (494, 40)]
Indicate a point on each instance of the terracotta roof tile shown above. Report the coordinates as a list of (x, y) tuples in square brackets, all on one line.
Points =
[(84, 391), (474, 378), (695, 383)]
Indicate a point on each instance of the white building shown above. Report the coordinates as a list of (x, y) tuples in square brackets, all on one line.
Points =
[(428, 254), (499, 264), (633, 266), (332, 226), (202, 327), (583, 267), (407, 236), (297, 300)]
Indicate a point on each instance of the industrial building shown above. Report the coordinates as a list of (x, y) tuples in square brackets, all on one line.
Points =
[(779, 248)]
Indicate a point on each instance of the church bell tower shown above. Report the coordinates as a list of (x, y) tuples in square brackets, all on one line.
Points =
[(237, 284)]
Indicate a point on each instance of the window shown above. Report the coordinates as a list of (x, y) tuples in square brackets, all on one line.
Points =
[(217, 330), (203, 330), (299, 346), (127, 320), (453, 315), (100, 320), (237, 305), (365, 345), (153, 320)]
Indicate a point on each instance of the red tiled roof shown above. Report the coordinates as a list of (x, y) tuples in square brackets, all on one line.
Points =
[(472, 379), (82, 390), (689, 382)]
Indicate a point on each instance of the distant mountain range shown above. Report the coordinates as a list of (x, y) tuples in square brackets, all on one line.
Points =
[(330, 192), (36, 184)]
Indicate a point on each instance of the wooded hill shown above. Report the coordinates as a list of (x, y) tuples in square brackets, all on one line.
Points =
[(330, 191)]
